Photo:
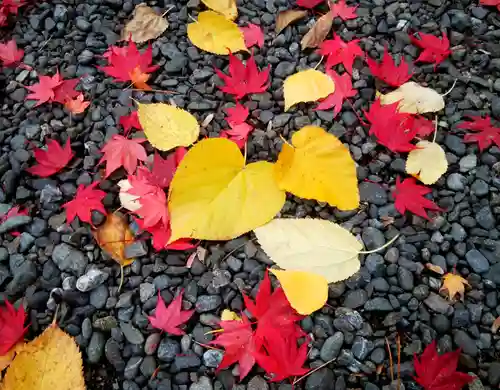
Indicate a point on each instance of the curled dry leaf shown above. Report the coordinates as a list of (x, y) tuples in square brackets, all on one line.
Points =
[(495, 326), (224, 7), (113, 236), (434, 268), (146, 24), (414, 99), (308, 85), (427, 162), (285, 18), (318, 32)]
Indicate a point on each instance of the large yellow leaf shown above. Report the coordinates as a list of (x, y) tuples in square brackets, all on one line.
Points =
[(215, 196), (166, 126), (311, 245), (428, 162), (113, 236), (50, 362), (215, 34), (307, 86), (318, 166), (306, 291), (225, 7), (414, 99)]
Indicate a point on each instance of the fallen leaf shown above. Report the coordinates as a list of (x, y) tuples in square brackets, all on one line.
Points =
[(224, 7), (52, 361), (10, 54), (7, 358), (340, 52), (318, 166), (409, 195), (454, 284), (239, 128), (435, 50), (414, 99), (77, 105), (306, 291), (216, 168), (129, 122), (128, 201), (66, 91), (215, 34), (11, 326), (285, 18), (145, 24), (168, 319), (493, 3), (343, 91), (14, 211), (308, 85), (166, 126), (434, 268), (342, 10), (228, 315), (496, 325), (423, 126), (43, 91), (253, 35), (52, 160), (312, 245), (308, 3), (120, 151), (318, 32), (427, 162), (86, 199), (388, 72), (163, 170), (486, 134), (113, 236)]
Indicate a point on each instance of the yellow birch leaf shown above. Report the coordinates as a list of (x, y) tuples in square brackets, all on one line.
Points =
[(427, 162), (224, 7), (146, 24), (454, 284), (213, 193), (166, 126), (312, 245), (308, 85), (50, 362), (228, 315), (113, 236), (216, 34), (318, 166), (306, 291), (414, 99)]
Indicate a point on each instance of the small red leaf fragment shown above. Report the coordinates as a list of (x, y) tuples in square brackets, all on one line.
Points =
[(66, 91), (11, 326), (168, 319), (343, 91), (436, 50), (152, 199), (340, 52), (129, 122), (52, 160), (86, 199), (239, 128), (120, 151), (409, 196), (10, 54), (342, 10), (163, 170), (493, 3), (253, 35), (308, 3), (387, 71)]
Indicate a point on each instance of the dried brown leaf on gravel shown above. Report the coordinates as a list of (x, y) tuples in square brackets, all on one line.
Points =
[(318, 32), (285, 18), (146, 24), (113, 236)]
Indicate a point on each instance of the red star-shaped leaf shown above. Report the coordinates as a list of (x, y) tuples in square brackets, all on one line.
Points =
[(43, 91), (66, 91), (343, 90), (308, 3), (163, 170), (86, 200), (387, 70), (11, 326), (342, 10), (168, 319), (340, 52), (10, 54), (120, 151), (409, 195), (239, 128), (422, 126), (129, 122), (52, 160), (486, 134), (435, 50), (253, 35)]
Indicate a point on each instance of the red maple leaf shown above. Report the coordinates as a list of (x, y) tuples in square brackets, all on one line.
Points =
[(253, 35), (163, 170), (239, 128), (308, 3), (237, 115), (52, 160), (86, 199), (66, 91), (342, 10), (14, 211), (128, 64), (168, 319), (43, 91), (11, 326), (244, 79), (10, 54), (422, 126), (237, 338), (436, 50), (130, 121), (494, 3), (343, 90), (439, 372), (486, 134), (409, 195), (387, 70), (340, 52), (11, 6), (161, 235), (120, 151)]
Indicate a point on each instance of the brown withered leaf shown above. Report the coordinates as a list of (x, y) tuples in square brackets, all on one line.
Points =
[(435, 268), (285, 18), (146, 24), (113, 236), (317, 34), (495, 326)]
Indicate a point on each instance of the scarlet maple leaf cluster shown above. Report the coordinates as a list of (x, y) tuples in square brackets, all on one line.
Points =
[(239, 128), (168, 319), (485, 134), (11, 326), (52, 160), (9, 7), (273, 342)]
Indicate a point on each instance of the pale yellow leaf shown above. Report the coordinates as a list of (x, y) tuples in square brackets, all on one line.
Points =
[(312, 245), (146, 24), (454, 284), (213, 193), (318, 32), (427, 162), (318, 166), (307, 86), (224, 7), (287, 17), (113, 236), (228, 315), (50, 362), (414, 99), (128, 201), (167, 127), (306, 291), (216, 34)]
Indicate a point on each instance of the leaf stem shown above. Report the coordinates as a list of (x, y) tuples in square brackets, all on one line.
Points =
[(380, 248), (121, 278), (319, 63), (168, 10), (391, 364), (435, 130), (154, 90), (451, 89), (356, 113), (312, 371)]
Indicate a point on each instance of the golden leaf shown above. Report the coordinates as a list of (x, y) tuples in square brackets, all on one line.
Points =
[(285, 18), (318, 32), (414, 99), (225, 7), (318, 166), (454, 284), (427, 162), (50, 362), (113, 236), (307, 86), (228, 315), (146, 24)]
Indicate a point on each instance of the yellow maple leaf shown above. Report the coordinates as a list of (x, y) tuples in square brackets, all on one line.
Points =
[(50, 362), (166, 126), (318, 166), (454, 284), (225, 7), (307, 86), (215, 34), (427, 162), (213, 193)]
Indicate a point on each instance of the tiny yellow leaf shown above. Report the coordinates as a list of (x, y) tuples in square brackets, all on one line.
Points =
[(427, 162), (145, 25), (318, 166), (312, 245), (307, 86), (306, 291), (213, 193), (50, 362), (166, 126), (228, 315), (414, 99), (225, 7), (216, 34), (454, 284)]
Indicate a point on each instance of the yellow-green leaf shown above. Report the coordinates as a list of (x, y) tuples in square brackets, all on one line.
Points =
[(216, 34), (215, 196), (166, 126), (307, 86), (427, 162), (318, 166), (225, 7)]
